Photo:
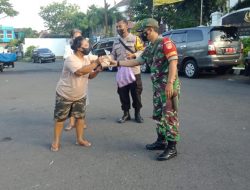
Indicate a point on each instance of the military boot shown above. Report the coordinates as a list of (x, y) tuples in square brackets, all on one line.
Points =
[(169, 152), (159, 144), (125, 117), (138, 117)]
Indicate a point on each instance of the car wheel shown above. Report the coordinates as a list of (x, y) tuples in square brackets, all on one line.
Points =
[(191, 69), (53, 60), (111, 69), (247, 69), (34, 60), (144, 68)]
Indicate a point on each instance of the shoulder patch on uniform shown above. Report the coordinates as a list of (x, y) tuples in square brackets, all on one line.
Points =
[(169, 45)]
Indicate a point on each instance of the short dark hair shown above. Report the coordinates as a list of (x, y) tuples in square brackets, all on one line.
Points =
[(75, 30), (122, 19), (156, 29), (77, 43)]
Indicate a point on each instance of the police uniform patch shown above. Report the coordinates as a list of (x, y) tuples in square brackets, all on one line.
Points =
[(169, 45)]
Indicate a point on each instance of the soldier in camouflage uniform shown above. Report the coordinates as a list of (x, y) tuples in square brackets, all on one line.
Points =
[(161, 56)]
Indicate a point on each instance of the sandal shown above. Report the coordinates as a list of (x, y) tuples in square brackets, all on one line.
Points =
[(54, 147), (83, 143), (69, 127)]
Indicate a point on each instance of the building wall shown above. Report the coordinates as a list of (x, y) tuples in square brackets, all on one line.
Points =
[(56, 45), (6, 34)]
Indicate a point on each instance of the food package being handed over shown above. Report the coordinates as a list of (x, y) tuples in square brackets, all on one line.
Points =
[(106, 59)]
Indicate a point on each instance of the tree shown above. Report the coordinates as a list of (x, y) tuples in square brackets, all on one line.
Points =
[(177, 15), (29, 33), (7, 9), (106, 6), (241, 5), (97, 15), (61, 18), (78, 20), (221, 5), (57, 16), (135, 9)]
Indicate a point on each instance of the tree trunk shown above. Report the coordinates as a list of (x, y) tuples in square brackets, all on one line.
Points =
[(106, 17)]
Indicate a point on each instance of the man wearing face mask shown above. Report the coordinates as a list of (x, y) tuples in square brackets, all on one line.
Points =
[(128, 47), (161, 56)]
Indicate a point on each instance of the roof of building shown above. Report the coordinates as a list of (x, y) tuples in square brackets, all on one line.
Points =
[(122, 3)]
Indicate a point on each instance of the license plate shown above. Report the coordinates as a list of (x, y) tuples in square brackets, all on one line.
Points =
[(230, 50)]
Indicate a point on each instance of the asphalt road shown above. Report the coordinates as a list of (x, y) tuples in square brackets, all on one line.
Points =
[(214, 151)]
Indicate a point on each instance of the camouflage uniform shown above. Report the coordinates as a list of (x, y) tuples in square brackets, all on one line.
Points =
[(165, 113)]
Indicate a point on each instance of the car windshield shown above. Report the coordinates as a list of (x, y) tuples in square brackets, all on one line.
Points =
[(224, 34), (44, 50)]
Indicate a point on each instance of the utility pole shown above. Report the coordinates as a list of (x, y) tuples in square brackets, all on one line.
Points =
[(106, 17), (201, 12)]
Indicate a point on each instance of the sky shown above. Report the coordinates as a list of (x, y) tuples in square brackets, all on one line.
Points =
[(28, 12), (29, 9)]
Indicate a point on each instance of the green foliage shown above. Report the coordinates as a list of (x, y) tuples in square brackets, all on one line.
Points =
[(61, 18), (58, 16), (178, 15), (140, 9), (241, 5), (246, 45), (96, 16), (29, 33), (14, 43), (29, 51), (7, 9)]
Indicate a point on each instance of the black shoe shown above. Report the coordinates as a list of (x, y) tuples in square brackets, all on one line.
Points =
[(138, 117), (159, 144), (125, 117), (156, 146), (168, 153)]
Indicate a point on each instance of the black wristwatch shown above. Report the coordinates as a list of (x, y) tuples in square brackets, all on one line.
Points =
[(118, 63)]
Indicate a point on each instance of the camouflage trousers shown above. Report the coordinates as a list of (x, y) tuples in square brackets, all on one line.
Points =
[(166, 111), (65, 108)]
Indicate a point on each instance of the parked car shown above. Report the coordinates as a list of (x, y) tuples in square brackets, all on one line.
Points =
[(102, 45), (206, 48), (41, 55)]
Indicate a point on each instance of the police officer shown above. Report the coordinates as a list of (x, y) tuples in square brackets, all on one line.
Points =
[(161, 56), (128, 47)]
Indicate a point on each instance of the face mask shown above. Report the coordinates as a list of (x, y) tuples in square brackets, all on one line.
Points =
[(120, 32), (85, 51), (144, 36)]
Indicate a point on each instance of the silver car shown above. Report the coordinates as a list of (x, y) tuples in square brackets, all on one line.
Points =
[(206, 48)]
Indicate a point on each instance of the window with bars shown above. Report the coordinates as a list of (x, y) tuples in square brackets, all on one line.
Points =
[(1, 34), (9, 34)]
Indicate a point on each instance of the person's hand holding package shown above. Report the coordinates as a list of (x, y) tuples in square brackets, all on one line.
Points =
[(107, 61)]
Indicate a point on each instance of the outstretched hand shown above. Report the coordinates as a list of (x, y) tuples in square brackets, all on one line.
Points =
[(130, 55), (107, 61), (112, 62)]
